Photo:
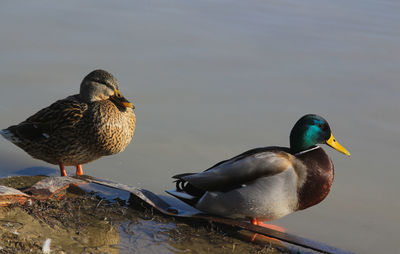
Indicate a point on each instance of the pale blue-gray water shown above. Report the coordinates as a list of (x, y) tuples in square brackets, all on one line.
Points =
[(211, 79)]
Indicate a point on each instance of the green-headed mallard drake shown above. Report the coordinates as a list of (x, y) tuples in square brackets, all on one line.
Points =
[(81, 128), (266, 183)]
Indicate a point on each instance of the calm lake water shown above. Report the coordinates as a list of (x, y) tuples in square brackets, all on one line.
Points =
[(211, 79)]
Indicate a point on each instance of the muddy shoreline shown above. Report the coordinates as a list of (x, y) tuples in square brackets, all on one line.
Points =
[(86, 222)]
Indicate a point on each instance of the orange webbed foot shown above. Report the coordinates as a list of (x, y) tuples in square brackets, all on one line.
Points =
[(270, 226)]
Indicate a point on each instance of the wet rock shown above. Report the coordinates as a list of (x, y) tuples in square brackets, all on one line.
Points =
[(52, 186), (10, 195)]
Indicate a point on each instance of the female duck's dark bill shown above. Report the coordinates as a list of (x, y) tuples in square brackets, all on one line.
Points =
[(334, 144), (120, 100)]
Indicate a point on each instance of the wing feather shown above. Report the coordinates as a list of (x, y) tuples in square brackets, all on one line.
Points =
[(64, 113), (241, 169)]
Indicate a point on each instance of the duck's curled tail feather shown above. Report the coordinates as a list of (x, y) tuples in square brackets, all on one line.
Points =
[(10, 136), (185, 191)]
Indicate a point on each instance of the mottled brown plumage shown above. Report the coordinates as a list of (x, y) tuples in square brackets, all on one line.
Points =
[(81, 128)]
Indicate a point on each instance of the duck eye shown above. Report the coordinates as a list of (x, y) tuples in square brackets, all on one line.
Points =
[(323, 127)]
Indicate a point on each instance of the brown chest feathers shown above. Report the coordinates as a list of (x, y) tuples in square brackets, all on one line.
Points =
[(319, 179), (112, 128)]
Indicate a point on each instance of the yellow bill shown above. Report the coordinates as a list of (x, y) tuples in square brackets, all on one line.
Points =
[(334, 144), (118, 98)]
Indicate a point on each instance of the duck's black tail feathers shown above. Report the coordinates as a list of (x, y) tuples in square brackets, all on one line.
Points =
[(185, 191)]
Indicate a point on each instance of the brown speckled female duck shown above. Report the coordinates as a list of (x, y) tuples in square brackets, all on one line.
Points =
[(81, 128)]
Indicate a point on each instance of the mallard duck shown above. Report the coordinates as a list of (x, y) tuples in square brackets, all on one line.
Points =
[(266, 183), (81, 128)]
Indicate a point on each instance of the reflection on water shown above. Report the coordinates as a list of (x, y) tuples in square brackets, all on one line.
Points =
[(146, 236), (212, 79), (158, 236)]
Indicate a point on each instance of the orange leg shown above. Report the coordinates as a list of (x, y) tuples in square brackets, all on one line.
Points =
[(62, 170), (270, 226), (79, 170)]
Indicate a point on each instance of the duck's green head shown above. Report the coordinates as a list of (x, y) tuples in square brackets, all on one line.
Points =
[(311, 130)]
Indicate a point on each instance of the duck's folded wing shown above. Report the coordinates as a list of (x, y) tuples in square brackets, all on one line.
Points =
[(240, 170), (61, 114)]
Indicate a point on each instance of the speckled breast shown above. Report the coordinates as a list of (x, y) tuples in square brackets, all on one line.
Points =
[(112, 127)]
